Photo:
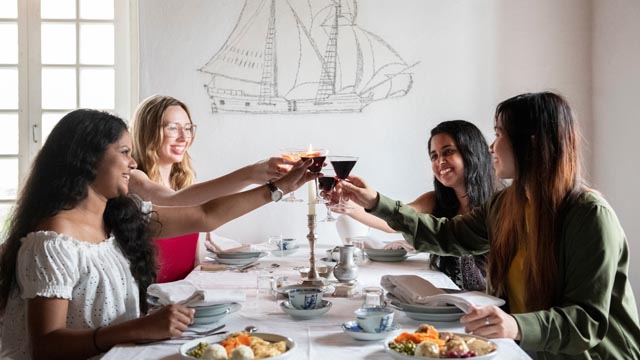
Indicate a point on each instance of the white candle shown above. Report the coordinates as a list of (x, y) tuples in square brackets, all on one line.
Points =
[(312, 204)]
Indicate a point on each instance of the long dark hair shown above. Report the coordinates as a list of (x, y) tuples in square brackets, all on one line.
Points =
[(479, 181), (545, 142), (59, 179)]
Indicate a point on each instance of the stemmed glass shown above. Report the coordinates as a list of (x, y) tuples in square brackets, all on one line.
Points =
[(326, 184), (318, 156), (342, 166), (293, 155)]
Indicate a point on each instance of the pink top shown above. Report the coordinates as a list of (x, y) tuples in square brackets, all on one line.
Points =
[(176, 257)]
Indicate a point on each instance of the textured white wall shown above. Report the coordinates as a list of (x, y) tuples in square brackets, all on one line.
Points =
[(616, 93)]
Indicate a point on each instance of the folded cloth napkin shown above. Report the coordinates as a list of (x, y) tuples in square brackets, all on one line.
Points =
[(219, 244), (413, 289), (185, 293), (372, 243)]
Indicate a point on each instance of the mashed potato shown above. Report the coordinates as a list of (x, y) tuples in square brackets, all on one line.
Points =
[(214, 352), (242, 352)]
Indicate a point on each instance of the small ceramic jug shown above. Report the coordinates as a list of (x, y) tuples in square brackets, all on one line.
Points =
[(346, 269)]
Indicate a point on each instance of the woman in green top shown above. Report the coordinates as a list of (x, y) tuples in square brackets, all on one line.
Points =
[(558, 253)]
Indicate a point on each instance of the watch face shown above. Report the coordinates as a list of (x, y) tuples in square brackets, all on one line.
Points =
[(276, 195)]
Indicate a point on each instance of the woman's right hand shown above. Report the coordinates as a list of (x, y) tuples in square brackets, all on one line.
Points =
[(297, 176), (357, 190), (167, 322)]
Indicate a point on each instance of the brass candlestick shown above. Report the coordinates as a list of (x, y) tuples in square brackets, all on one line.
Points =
[(312, 279)]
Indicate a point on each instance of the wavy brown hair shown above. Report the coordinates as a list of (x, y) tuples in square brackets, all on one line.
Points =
[(147, 135), (545, 142)]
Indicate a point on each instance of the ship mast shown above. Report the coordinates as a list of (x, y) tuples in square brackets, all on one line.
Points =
[(268, 83), (328, 76)]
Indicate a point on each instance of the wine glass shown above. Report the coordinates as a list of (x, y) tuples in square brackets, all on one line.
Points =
[(318, 156), (292, 154), (342, 166), (326, 184)]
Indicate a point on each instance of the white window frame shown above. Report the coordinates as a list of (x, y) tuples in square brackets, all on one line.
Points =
[(30, 71)]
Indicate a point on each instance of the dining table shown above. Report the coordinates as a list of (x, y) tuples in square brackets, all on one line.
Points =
[(320, 338)]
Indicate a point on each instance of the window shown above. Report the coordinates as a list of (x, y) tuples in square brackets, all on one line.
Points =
[(57, 56)]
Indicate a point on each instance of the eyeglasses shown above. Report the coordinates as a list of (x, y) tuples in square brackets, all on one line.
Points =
[(173, 130)]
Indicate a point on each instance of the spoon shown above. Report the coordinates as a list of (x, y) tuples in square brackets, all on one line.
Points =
[(250, 329)]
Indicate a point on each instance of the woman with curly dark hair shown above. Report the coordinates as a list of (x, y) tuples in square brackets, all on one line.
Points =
[(463, 179), (78, 257)]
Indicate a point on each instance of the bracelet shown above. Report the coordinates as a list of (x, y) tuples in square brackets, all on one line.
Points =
[(95, 344)]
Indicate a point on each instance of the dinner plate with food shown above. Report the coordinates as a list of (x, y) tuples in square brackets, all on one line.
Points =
[(427, 343), (239, 346)]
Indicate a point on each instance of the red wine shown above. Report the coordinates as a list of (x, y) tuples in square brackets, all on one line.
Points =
[(318, 161), (343, 167), (326, 182)]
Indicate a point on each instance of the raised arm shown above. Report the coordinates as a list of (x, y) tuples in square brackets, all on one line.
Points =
[(258, 173), (214, 213)]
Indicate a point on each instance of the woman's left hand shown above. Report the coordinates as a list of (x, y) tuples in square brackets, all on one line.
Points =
[(271, 168), (491, 322)]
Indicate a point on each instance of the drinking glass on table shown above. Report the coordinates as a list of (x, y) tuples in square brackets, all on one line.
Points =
[(292, 154), (275, 243), (342, 165)]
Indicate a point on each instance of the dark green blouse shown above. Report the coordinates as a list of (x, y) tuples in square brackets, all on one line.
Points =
[(596, 317)]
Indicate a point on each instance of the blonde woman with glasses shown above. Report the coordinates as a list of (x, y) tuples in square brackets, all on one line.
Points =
[(162, 132)]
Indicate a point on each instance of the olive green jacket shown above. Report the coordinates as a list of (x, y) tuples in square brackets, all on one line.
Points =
[(596, 317)]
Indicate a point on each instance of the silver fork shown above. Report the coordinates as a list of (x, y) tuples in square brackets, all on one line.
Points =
[(204, 332)]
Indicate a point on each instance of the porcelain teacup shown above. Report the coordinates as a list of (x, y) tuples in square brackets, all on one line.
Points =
[(285, 244), (374, 319), (305, 298)]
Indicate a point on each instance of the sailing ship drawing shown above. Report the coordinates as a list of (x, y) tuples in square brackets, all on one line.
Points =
[(303, 56)]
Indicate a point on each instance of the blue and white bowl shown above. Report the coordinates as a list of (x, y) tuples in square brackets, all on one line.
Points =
[(305, 298), (352, 329), (325, 305)]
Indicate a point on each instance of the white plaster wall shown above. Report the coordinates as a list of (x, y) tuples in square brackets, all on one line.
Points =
[(616, 92)]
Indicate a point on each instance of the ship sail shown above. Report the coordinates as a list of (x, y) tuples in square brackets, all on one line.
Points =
[(303, 56)]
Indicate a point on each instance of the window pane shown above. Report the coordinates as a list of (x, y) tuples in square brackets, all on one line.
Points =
[(97, 88), (58, 9), (58, 43), (5, 209), (9, 88), (9, 134), (9, 9), (58, 88), (92, 9), (49, 120), (9, 178), (96, 44), (9, 43)]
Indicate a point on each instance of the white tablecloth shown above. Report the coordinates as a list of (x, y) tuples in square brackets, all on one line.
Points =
[(320, 338)]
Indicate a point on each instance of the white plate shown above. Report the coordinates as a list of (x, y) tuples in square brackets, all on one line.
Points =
[(418, 308), (433, 317), (210, 319), (238, 255), (388, 258), (240, 261), (386, 252), (287, 252), (398, 356), (352, 329), (217, 338), (286, 306)]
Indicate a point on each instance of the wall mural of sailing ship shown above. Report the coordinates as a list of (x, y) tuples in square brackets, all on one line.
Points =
[(303, 56)]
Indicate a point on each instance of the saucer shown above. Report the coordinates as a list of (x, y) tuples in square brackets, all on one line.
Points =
[(280, 253), (305, 314), (352, 329)]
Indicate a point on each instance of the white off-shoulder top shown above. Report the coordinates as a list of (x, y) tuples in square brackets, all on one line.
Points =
[(95, 278)]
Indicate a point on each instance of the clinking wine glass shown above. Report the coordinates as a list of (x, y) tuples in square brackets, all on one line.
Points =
[(342, 166), (318, 156), (326, 184), (292, 154)]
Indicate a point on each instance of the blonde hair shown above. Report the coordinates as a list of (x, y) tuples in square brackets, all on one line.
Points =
[(147, 136)]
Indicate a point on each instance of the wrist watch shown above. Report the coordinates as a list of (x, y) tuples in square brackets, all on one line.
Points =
[(276, 192)]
